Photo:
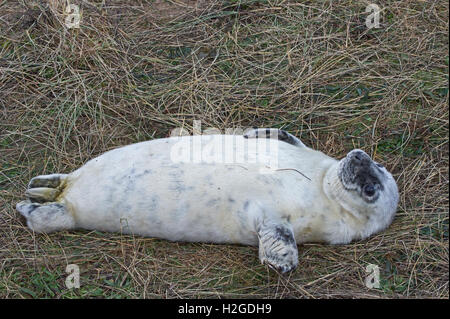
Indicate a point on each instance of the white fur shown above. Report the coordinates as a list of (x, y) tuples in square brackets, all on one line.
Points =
[(193, 201), (139, 189)]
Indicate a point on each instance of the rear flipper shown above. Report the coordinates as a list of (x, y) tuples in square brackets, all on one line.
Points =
[(43, 213), (46, 218), (51, 181), (45, 188)]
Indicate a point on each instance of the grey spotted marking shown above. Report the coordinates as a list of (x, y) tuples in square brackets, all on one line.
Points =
[(263, 179), (283, 234), (242, 214), (131, 176), (209, 180), (177, 184), (178, 187), (270, 180), (145, 172), (246, 204), (213, 202), (154, 202), (274, 133)]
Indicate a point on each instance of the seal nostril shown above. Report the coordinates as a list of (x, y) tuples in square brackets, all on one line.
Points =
[(357, 157)]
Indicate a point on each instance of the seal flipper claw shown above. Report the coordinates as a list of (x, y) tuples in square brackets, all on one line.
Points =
[(277, 246)]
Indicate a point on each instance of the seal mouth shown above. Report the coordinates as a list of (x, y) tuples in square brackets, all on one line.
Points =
[(357, 172)]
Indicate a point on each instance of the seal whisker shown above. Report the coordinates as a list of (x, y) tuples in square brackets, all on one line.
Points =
[(293, 169)]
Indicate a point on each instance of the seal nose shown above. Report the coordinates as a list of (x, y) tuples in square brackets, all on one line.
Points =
[(359, 157)]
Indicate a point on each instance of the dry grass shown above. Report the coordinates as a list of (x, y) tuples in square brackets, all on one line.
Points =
[(137, 69)]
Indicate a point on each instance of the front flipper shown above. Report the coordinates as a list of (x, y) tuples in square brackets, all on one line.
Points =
[(277, 246), (274, 133)]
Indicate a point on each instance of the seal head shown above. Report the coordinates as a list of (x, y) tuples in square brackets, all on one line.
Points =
[(360, 173), (365, 189)]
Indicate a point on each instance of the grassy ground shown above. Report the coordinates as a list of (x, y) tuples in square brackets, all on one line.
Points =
[(134, 70)]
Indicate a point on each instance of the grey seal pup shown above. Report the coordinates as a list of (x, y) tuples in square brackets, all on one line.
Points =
[(190, 188)]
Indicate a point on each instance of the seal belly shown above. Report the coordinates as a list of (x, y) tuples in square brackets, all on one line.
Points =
[(145, 190), (139, 189)]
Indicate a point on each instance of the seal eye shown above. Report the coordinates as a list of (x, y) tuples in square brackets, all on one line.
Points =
[(369, 190)]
